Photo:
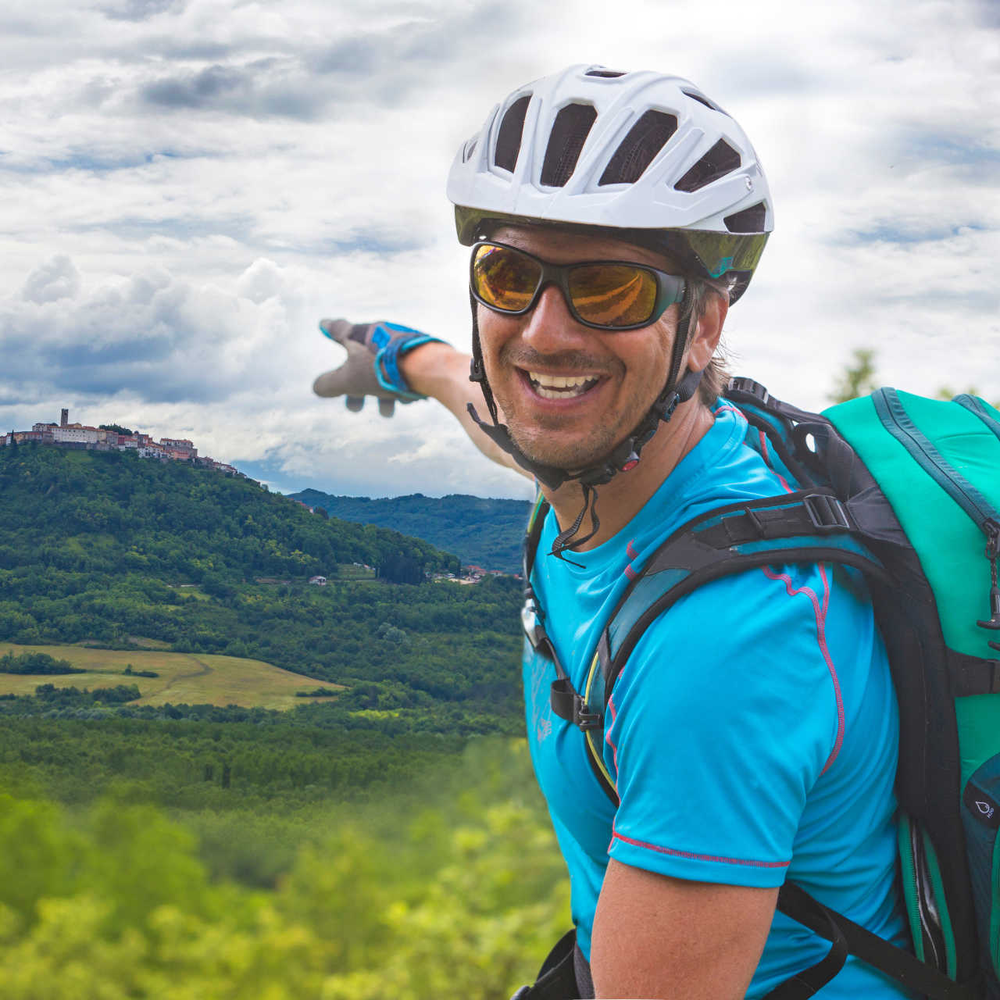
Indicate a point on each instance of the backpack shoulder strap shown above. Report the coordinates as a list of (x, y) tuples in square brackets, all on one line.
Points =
[(806, 526)]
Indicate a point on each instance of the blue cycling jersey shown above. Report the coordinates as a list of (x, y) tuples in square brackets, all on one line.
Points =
[(752, 734)]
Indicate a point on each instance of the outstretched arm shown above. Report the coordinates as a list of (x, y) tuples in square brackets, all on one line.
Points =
[(395, 363), (440, 371)]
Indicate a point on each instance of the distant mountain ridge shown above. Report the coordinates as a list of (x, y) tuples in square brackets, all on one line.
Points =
[(480, 531)]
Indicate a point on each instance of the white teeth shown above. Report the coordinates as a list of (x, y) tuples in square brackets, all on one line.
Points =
[(559, 381), (560, 386)]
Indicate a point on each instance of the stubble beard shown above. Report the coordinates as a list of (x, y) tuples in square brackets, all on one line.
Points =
[(568, 457), (534, 437)]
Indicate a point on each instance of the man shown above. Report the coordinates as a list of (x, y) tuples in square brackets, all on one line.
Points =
[(752, 736)]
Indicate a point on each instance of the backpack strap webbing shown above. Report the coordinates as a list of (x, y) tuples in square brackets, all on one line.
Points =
[(811, 526), (971, 675), (556, 978), (565, 699), (795, 902)]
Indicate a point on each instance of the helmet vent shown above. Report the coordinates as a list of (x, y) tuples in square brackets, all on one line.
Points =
[(470, 148), (606, 74), (569, 133), (702, 99), (720, 160), (509, 136), (750, 220), (644, 140)]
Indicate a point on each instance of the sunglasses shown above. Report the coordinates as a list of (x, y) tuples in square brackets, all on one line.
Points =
[(604, 295)]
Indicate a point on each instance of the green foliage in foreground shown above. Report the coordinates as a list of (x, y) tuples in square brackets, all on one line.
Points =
[(458, 893)]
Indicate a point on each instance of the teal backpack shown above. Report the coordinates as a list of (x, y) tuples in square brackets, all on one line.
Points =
[(906, 489)]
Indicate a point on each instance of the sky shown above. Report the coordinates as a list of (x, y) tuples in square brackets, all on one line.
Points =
[(188, 186)]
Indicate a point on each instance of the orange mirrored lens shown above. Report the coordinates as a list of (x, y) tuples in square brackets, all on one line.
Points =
[(613, 294), (504, 278)]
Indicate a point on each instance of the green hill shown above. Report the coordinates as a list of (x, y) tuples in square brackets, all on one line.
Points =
[(479, 531), (128, 553)]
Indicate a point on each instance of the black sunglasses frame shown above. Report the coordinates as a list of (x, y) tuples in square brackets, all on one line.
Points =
[(670, 288)]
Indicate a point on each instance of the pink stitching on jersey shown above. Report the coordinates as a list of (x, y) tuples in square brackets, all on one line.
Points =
[(630, 549), (698, 857), (631, 573), (725, 409), (820, 613), (765, 454)]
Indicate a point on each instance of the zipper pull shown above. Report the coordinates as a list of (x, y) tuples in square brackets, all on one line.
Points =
[(993, 554)]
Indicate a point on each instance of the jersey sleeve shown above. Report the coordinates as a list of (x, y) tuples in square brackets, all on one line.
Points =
[(723, 718)]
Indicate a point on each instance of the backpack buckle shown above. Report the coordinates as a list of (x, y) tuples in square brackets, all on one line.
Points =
[(827, 513), (531, 621), (750, 388)]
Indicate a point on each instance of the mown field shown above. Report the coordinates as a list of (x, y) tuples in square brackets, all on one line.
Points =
[(184, 678)]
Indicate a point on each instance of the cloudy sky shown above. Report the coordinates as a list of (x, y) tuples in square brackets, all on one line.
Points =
[(186, 186)]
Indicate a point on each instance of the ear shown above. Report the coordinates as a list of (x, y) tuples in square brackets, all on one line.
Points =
[(707, 333)]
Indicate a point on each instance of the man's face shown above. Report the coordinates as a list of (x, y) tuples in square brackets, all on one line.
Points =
[(570, 393)]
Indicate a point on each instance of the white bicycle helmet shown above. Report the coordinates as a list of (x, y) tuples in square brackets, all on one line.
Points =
[(641, 152)]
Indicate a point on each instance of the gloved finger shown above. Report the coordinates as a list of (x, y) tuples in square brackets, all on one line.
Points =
[(355, 403), (336, 329), (386, 407), (332, 383)]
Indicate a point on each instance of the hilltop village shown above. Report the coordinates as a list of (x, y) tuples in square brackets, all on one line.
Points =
[(110, 437), (113, 437)]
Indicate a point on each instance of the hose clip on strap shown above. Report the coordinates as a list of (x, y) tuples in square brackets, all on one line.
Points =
[(584, 718), (826, 512), (568, 704)]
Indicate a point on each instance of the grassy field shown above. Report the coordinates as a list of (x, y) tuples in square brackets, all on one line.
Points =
[(183, 677)]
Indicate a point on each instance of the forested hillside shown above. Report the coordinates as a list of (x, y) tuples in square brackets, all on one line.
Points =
[(479, 531), (116, 550), (102, 512)]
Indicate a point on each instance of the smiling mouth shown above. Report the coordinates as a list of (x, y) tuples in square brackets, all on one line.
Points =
[(561, 386)]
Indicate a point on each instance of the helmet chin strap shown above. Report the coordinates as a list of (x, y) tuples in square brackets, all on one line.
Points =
[(622, 458)]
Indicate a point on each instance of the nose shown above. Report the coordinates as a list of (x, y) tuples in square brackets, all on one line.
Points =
[(550, 326)]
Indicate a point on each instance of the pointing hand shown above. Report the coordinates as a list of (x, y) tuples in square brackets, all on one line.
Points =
[(372, 365)]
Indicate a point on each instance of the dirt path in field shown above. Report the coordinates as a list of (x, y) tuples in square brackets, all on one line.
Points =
[(205, 669)]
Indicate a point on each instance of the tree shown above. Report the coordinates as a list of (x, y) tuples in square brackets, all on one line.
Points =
[(858, 378)]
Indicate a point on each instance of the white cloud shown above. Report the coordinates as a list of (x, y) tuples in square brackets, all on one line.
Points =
[(188, 187)]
